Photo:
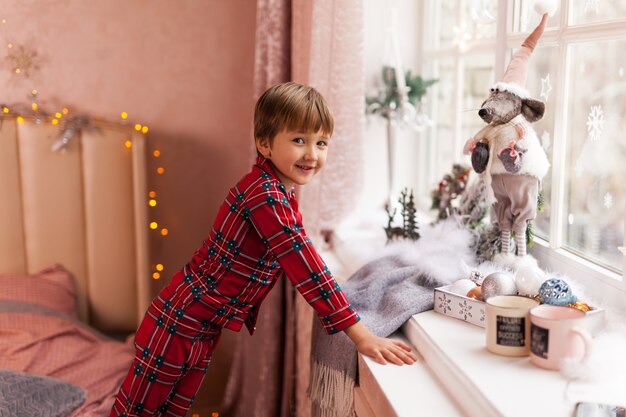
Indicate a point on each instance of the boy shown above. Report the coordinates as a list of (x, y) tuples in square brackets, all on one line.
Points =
[(257, 237)]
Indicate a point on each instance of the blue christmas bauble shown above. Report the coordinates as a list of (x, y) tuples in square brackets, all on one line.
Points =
[(557, 292)]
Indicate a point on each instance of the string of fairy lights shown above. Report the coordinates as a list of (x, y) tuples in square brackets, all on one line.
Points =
[(66, 123)]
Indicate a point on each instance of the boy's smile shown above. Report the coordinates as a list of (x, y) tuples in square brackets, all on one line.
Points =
[(295, 156)]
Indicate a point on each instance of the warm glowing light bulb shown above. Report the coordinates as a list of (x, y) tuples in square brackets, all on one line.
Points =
[(159, 267), (160, 170), (10, 45), (55, 121), (144, 129), (20, 119), (5, 109), (156, 153), (124, 115), (152, 202), (215, 414), (128, 144), (17, 70), (153, 225), (164, 232), (65, 110), (137, 127), (34, 92), (152, 194), (156, 275), (4, 20), (34, 106), (58, 115)]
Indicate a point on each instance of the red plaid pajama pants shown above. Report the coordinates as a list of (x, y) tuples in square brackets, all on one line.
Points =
[(172, 356)]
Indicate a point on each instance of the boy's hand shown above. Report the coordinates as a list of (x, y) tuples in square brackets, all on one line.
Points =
[(379, 348), (382, 350)]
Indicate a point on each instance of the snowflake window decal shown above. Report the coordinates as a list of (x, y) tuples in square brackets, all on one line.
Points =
[(595, 123), (608, 200)]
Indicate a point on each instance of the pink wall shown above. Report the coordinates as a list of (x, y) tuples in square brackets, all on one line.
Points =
[(184, 68)]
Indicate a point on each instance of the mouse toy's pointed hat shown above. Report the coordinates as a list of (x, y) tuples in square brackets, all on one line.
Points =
[(514, 79)]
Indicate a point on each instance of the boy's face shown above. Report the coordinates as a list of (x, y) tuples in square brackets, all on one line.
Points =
[(296, 156)]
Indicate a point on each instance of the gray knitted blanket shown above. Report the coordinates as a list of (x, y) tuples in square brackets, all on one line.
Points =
[(386, 293)]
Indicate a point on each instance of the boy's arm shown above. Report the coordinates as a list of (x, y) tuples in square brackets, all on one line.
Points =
[(379, 348), (279, 224)]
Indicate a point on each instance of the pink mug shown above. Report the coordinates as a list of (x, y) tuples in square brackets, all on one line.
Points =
[(557, 333)]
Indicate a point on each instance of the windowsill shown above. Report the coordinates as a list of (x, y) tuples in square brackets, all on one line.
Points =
[(483, 384), (455, 375), (398, 391)]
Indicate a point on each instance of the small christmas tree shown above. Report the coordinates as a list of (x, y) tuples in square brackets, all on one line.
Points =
[(409, 216), (410, 227)]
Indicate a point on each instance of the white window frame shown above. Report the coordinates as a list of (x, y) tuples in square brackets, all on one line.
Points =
[(600, 283)]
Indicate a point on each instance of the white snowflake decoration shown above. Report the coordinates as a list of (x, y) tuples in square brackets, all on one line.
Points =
[(595, 123), (592, 5), (545, 87), (608, 200), (546, 141)]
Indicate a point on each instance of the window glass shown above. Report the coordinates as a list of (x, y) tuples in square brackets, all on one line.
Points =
[(466, 21), (525, 18), (442, 136), (592, 11), (480, 18), (446, 16), (596, 159), (542, 78), (478, 77)]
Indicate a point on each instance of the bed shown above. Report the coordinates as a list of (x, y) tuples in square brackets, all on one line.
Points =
[(74, 265)]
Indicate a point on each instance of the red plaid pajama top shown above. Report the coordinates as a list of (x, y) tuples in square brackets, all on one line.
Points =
[(256, 238)]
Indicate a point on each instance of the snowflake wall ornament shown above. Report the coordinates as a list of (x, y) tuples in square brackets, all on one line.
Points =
[(595, 123), (546, 87), (23, 61)]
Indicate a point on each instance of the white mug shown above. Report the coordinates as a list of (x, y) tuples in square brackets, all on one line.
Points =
[(558, 333), (508, 324)]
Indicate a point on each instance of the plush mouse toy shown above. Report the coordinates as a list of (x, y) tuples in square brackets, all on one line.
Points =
[(507, 153)]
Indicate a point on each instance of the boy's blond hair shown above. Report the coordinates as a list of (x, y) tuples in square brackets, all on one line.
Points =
[(294, 107)]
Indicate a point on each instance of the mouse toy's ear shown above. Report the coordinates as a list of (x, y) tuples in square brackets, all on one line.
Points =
[(532, 110)]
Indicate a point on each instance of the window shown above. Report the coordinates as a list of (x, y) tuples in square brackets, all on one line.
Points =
[(579, 70)]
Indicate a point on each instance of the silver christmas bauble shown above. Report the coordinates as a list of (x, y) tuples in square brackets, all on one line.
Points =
[(498, 283)]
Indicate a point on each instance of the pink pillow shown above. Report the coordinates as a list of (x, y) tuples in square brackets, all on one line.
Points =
[(52, 288)]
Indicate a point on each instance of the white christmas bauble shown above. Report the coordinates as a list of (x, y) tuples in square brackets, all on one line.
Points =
[(461, 286), (498, 283), (528, 279)]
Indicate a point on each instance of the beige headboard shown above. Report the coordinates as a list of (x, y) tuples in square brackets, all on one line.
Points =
[(84, 207)]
